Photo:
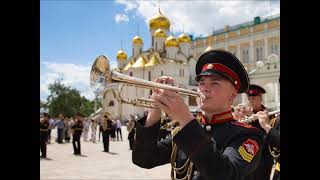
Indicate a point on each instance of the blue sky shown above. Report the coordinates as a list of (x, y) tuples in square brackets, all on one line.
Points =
[(74, 33)]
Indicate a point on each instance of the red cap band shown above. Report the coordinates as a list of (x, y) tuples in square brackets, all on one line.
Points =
[(224, 69), (254, 91)]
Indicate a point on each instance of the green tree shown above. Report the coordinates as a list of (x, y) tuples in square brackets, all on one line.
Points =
[(43, 105), (63, 99)]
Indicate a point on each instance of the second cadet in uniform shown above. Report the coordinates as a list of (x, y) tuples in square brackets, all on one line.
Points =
[(44, 128), (210, 144), (77, 131), (254, 95)]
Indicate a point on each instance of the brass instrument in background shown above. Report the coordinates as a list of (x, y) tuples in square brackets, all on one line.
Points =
[(170, 125), (101, 77), (255, 117)]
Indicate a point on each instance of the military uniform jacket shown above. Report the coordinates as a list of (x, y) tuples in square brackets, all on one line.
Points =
[(77, 127), (229, 151), (44, 127)]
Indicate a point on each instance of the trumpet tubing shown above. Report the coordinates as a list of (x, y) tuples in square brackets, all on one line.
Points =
[(101, 77)]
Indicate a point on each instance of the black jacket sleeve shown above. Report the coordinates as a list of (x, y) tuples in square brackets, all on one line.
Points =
[(231, 164), (147, 151), (273, 137)]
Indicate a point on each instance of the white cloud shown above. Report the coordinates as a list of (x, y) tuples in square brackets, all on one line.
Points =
[(201, 17), (128, 5), (75, 76), (121, 18)]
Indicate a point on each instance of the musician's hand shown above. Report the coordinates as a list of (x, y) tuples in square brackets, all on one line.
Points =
[(237, 115), (174, 106), (264, 120), (154, 115)]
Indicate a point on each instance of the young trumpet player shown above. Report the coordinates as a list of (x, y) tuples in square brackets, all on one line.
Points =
[(209, 144)]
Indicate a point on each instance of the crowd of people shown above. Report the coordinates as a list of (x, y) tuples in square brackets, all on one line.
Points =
[(73, 128), (212, 143)]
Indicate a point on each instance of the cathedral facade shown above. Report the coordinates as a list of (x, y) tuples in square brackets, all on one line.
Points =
[(173, 56)]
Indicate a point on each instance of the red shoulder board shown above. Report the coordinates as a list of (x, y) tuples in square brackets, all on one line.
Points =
[(242, 124), (248, 149)]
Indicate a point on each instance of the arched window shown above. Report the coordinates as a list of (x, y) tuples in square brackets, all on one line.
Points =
[(111, 103), (130, 74)]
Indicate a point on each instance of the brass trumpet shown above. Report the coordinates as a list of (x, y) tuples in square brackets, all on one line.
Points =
[(101, 77), (255, 117)]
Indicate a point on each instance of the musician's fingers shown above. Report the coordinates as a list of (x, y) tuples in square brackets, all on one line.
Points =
[(160, 105), (169, 93), (162, 99)]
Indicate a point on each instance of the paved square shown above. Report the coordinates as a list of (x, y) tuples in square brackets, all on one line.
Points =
[(95, 165)]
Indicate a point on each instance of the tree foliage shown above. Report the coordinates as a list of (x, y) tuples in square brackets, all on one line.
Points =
[(63, 99)]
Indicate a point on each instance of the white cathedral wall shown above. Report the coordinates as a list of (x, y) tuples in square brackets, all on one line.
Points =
[(181, 57), (171, 52), (185, 48), (136, 49), (160, 44), (113, 110)]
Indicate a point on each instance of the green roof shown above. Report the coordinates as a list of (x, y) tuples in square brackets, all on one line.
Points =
[(242, 25)]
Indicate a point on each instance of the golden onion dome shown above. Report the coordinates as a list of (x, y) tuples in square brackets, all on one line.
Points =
[(184, 38), (121, 55), (137, 40), (171, 41), (159, 21), (159, 33)]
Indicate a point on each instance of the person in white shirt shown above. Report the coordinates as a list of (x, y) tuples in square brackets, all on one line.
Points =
[(118, 129), (94, 126), (86, 127), (51, 126)]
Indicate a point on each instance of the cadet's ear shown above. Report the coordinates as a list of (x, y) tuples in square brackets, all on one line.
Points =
[(233, 94)]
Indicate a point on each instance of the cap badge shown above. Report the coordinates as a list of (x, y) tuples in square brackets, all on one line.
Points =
[(210, 66)]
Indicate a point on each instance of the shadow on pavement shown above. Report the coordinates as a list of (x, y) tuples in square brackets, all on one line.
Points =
[(49, 159)]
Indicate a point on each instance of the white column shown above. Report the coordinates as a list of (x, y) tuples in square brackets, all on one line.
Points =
[(238, 52), (266, 47), (251, 52)]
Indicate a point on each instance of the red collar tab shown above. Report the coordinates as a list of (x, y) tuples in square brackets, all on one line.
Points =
[(218, 118), (224, 69)]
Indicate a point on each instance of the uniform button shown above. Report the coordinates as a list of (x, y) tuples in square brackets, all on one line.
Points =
[(208, 128)]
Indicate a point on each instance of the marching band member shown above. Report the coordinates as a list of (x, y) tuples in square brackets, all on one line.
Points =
[(209, 144)]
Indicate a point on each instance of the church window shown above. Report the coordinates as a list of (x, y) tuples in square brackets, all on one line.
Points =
[(111, 103)]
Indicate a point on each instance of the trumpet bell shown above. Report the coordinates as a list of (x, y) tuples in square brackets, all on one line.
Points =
[(100, 74)]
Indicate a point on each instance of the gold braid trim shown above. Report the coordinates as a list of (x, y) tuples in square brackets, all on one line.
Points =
[(187, 166), (275, 153)]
